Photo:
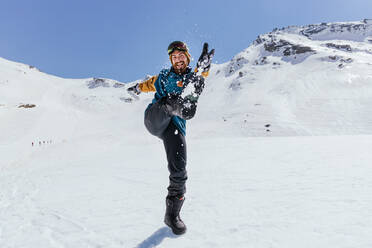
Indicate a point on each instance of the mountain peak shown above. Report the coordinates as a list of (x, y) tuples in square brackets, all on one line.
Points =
[(294, 44), (355, 31)]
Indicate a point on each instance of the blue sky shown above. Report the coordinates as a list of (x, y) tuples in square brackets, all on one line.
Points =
[(127, 40)]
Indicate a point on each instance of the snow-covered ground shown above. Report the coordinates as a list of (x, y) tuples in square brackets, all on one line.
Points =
[(242, 192), (278, 154)]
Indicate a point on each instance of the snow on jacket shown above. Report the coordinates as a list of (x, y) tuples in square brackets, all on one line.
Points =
[(149, 84), (168, 82)]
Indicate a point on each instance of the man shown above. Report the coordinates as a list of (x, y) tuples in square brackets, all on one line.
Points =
[(166, 118)]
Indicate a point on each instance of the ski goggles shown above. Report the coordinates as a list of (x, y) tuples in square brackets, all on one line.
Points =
[(177, 45)]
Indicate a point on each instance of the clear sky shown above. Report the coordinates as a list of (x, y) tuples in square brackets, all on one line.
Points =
[(127, 40)]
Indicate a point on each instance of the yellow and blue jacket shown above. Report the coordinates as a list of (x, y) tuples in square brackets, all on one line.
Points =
[(168, 82)]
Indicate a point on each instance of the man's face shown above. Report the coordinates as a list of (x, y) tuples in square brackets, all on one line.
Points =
[(179, 61)]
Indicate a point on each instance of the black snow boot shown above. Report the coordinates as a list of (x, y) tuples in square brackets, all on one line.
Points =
[(182, 107), (172, 214)]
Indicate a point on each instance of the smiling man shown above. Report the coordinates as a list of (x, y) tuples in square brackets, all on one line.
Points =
[(180, 61), (166, 118)]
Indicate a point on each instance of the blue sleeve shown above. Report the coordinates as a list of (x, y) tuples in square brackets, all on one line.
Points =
[(159, 85)]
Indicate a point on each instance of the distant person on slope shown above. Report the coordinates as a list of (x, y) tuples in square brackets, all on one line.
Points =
[(177, 91)]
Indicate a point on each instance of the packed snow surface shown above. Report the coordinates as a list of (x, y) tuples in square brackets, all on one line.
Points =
[(278, 153)]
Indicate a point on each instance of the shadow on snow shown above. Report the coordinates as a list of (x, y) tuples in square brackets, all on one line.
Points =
[(157, 237)]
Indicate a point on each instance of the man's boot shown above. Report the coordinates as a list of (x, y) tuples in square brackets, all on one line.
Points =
[(184, 108), (172, 214)]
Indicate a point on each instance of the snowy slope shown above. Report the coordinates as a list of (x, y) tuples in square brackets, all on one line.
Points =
[(296, 81), (278, 154)]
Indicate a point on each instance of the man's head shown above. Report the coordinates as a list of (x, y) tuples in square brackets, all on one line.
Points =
[(179, 56)]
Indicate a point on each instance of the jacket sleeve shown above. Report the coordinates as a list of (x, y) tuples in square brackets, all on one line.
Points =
[(148, 85)]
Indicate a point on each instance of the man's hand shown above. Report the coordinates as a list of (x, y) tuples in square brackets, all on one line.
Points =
[(205, 59), (134, 89)]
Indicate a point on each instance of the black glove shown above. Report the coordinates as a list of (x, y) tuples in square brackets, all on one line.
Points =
[(135, 89), (197, 80), (205, 59)]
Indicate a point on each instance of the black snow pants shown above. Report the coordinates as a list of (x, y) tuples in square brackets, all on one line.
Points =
[(158, 122)]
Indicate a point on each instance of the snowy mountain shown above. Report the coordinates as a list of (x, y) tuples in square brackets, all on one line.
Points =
[(278, 153), (312, 80)]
